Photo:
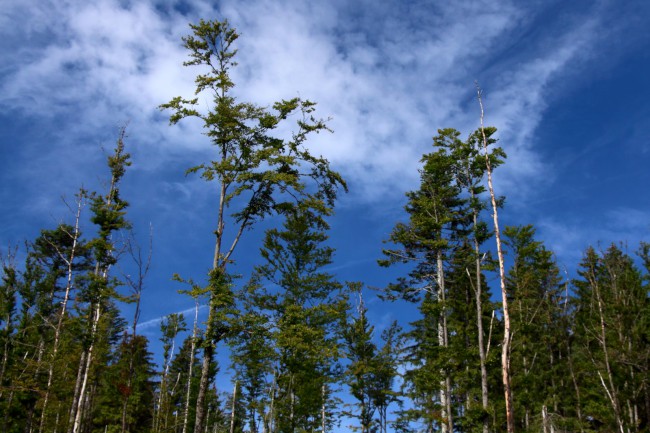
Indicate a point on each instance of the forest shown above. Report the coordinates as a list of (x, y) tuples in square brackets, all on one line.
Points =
[(504, 341)]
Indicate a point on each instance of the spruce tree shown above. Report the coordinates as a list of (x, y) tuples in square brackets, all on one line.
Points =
[(303, 306), (535, 295), (361, 372)]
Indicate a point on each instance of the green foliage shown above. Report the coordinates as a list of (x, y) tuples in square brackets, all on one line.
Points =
[(371, 370), (611, 342), (126, 383), (286, 355), (537, 311), (258, 172)]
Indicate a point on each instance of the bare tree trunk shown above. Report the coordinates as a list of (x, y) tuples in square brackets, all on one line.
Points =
[(447, 425), (611, 390), (233, 408), (207, 418), (271, 414), (507, 334), (190, 372), (544, 419), (323, 409), (64, 304), (77, 390), (478, 291), (84, 382)]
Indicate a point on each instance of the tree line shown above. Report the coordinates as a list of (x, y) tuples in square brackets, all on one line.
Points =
[(556, 354)]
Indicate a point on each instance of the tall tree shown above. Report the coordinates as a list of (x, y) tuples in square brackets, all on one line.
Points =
[(437, 218), (109, 212), (471, 176), (507, 333), (256, 172), (170, 327)]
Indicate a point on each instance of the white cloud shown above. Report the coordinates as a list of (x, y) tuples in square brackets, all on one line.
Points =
[(387, 93), (388, 82)]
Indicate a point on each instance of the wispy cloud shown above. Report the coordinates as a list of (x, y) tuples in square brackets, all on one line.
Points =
[(387, 91), (389, 75)]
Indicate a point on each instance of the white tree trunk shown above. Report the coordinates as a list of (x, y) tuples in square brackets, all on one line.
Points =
[(507, 334)]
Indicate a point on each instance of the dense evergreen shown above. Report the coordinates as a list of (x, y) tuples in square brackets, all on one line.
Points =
[(305, 355)]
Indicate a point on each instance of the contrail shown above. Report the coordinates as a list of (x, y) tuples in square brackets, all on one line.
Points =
[(157, 320)]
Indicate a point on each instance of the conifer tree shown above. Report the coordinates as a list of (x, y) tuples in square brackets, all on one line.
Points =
[(535, 295), (437, 219), (253, 360), (611, 310), (109, 216), (371, 369), (361, 353), (256, 173), (303, 306)]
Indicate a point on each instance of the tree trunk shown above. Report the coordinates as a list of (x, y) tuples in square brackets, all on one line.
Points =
[(208, 350), (323, 409), (447, 425), (233, 408), (77, 390), (611, 390), (86, 371), (190, 372), (479, 325), (64, 304), (507, 335)]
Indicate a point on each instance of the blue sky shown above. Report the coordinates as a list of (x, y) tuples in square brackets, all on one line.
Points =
[(566, 84)]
